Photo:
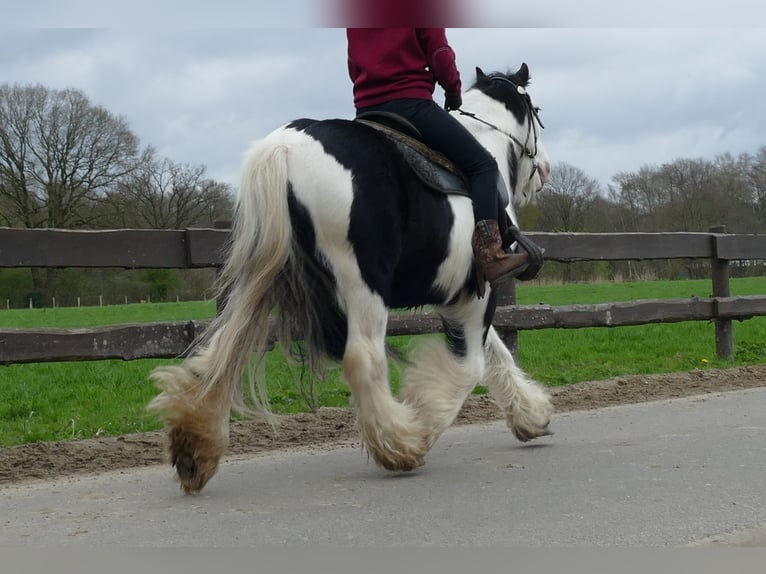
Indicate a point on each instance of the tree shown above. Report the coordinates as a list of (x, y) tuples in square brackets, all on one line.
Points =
[(58, 154), (689, 194), (163, 194), (566, 200), (566, 205), (733, 200), (756, 175), (640, 195)]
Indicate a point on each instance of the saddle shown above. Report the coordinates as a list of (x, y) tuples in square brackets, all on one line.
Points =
[(433, 169), (438, 173)]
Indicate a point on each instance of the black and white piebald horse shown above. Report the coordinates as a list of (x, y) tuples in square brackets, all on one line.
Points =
[(332, 229)]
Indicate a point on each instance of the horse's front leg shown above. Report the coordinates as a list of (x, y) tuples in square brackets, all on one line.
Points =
[(526, 403), (389, 429), (444, 372)]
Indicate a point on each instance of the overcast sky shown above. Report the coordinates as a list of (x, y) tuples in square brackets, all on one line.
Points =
[(613, 98)]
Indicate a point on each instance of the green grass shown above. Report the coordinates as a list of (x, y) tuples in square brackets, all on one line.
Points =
[(589, 293), (559, 357), (72, 317), (51, 401), (563, 356)]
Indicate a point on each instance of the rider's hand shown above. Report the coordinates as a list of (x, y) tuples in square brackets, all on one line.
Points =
[(453, 102)]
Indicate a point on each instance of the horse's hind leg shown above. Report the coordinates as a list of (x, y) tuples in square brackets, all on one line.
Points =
[(443, 374), (526, 403), (196, 424), (389, 429)]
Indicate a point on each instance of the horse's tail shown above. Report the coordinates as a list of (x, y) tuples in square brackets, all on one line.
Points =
[(257, 253)]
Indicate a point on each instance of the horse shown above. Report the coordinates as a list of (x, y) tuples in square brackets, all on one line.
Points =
[(332, 230)]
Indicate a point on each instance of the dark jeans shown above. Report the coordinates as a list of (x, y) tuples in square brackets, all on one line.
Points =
[(445, 134)]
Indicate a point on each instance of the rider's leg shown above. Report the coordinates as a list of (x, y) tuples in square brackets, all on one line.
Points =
[(445, 134)]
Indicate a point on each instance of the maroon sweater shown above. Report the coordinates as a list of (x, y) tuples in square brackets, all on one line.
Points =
[(391, 63)]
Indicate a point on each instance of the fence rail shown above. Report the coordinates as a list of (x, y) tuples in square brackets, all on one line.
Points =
[(194, 248), (197, 248)]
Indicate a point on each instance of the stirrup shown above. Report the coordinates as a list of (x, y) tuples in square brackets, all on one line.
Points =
[(513, 234), (480, 279)]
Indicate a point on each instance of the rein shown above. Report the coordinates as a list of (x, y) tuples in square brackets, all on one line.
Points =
[(532, 115)]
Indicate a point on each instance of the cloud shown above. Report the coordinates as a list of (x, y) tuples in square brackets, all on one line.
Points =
[(610, 14), (613, 99), (151, 14), (305, 13)]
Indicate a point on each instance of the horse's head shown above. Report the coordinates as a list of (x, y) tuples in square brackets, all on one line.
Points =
[(514, 121)]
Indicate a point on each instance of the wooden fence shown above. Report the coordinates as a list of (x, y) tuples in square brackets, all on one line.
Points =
[(199, 248)]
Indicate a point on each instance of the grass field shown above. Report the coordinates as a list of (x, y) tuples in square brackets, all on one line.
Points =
[(78, 400)]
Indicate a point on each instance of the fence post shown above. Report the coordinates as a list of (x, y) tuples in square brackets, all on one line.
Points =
[(724, 340), (506, 295)]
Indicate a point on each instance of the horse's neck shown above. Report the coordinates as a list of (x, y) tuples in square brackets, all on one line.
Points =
[(493, 140)]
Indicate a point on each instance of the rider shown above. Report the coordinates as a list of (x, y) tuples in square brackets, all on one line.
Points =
[(396, 70)]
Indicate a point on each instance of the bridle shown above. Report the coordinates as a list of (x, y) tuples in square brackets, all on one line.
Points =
[(532, 116)]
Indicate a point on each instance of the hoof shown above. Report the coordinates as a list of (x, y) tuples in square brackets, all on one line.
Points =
[(399, 464), (525, 435), (396, 456), (185, 466), (187, 455)]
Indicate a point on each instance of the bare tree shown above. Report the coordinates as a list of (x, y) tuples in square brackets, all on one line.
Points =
[(163, 194), (640, 195), (689, 191), (17, 108), (686, 195), (733, 198), (567, 199), (756, 174), (58, 154)]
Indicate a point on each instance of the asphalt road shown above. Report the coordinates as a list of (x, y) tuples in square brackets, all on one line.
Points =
[(671, 473)]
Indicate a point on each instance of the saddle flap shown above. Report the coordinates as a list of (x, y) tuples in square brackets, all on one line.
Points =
[(434, 169)]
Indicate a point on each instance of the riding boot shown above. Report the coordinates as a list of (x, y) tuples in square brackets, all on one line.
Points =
[(494, 262)]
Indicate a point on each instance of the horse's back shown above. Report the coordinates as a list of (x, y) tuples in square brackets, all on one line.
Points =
[(350, 185)]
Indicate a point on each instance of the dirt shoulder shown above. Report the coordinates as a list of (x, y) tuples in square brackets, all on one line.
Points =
[(65, 458)]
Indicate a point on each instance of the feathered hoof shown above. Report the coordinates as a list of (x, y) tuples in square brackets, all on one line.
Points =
[(397, 462), (396, 453), (525, 434), (194, 458)]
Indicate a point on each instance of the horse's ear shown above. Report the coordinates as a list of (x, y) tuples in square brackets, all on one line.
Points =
[(523, 74), (479, 73)]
